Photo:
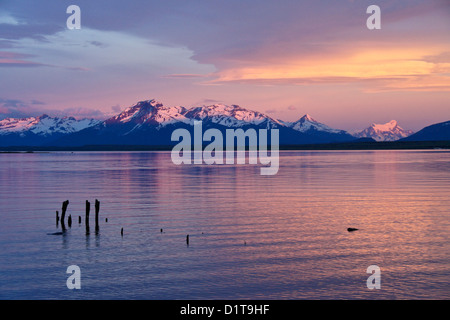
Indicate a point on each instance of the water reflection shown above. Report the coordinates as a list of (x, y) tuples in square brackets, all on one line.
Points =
[(250, 236)]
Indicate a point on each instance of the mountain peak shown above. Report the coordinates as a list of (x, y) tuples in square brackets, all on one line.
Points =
[(138, 112), (309, 124), (149, 111), (151, 102), (229, 115), (307, 117), (393, 122), (389, 131), (386, 126)]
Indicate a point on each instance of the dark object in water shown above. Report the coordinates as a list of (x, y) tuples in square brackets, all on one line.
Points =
[(97, 210), (79, 219), (121, 232), (56, 234), (187, 239), (64, 208), (63, 214), (351, 229), (86, 218), (69, 221)]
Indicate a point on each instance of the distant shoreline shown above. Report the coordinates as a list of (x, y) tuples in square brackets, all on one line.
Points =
[(395, 145)]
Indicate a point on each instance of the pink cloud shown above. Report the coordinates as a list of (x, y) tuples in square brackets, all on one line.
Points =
[(14, 59)]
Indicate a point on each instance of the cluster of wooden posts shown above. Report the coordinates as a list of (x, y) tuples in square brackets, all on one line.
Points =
[(61, 219)]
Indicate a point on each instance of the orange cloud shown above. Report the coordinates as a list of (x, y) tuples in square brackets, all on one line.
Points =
[(391, 68)]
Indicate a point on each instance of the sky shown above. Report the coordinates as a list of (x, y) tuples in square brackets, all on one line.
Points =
[(284, 58)]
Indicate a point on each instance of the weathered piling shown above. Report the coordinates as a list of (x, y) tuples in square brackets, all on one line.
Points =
[(63, 214), (121, 232), (86, 218), (57, 218), (79, 219), (187, 240), (97, 210), (69, 221), (64, 209)]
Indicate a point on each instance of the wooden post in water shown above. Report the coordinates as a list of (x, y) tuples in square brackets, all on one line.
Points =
[(57, 218), (63, 214), (69, 221), (187, 240), (88, 209), (64, 209), (79, 219), (97, 210)]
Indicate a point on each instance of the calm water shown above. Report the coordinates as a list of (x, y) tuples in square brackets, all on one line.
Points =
[(251, 236)]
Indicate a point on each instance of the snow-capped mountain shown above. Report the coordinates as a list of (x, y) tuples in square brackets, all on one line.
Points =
[(149, 122), (390, 131), (308, 124), (231, 116), (37, 130), (150, 112), (44, 125), (318, 132)]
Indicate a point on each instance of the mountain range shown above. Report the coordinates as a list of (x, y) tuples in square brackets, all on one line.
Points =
[(42, 130), (149, 122)]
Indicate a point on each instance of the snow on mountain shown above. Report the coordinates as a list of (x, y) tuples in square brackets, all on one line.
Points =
[(150, 122), (230, 116), (390, 131), (154, 113), (44, 125), (150, 112), (307, 123)]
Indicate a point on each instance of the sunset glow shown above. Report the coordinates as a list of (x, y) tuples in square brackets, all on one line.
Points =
[(400, 65)]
